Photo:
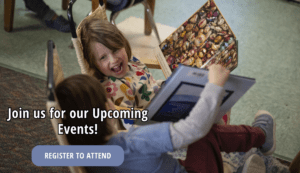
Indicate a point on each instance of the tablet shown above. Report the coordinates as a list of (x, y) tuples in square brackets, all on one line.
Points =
[(181, 92)]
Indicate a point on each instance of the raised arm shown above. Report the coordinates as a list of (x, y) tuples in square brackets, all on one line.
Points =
[(203, 115)]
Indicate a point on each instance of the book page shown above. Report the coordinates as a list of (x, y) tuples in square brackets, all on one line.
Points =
[(203, 39)]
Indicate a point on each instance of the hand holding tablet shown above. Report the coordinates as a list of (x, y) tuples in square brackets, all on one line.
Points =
[(218, 75)]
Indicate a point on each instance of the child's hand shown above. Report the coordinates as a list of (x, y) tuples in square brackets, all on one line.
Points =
[(218, 74)]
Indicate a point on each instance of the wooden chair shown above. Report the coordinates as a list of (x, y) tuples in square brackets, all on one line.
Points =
[(115, 9), (148, 26), (295, 165), (55, 75), (9, 8)]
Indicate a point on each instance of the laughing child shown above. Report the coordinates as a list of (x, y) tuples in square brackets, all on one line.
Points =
[(127, 81)]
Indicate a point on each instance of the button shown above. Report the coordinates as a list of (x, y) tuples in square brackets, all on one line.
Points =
[(77, 155)]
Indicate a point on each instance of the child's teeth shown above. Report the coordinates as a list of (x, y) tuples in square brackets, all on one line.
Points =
[(117, 68)]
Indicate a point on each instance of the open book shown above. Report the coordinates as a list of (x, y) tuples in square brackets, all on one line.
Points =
[(203, 39), (181, 92)]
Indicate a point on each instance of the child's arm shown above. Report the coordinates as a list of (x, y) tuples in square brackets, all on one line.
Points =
[(202, 117)]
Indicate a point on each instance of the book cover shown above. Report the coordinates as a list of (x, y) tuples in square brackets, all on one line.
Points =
[(203, 39)]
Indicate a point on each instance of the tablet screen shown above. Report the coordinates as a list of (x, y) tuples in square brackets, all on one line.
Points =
[(181, 102)]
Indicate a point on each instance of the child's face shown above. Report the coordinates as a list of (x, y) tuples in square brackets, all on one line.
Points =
[(110, 63)]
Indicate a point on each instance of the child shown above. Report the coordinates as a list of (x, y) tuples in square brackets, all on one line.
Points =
[(145, 147), (127, 81)]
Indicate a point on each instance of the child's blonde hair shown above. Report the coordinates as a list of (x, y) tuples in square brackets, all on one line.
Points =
[(101, 31), (83, 92)]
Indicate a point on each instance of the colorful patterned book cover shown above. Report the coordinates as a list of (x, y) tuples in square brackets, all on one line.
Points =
[(203, 39)]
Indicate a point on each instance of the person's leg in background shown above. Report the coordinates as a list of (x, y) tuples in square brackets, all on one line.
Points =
[(46, 14), (40, 8), (205, 154)]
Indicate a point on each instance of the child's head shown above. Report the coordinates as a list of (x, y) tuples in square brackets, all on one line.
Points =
[(82, 92), (105, 48)]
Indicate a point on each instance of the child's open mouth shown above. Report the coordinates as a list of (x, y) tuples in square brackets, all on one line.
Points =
[(118, 69)]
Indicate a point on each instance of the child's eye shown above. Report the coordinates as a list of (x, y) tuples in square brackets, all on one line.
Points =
[(103, 57)]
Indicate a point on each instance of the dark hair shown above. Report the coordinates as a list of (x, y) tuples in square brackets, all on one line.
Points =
[(101, 31), (82, 92)]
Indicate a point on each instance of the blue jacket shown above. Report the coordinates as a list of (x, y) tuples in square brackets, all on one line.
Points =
[(145, 150)]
